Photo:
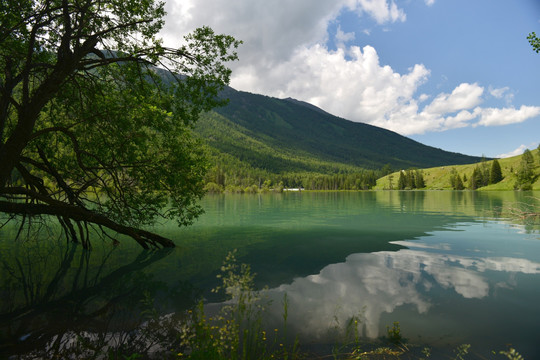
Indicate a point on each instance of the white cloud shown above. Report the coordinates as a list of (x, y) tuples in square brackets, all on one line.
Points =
[(506, 116), (382, 11), (271, 30), (284, 55), (380, 282), (429, 2), (465, 96), (499, 92), (502, 93), (349, 83), (462, 119), (517, 151), (343, 37)]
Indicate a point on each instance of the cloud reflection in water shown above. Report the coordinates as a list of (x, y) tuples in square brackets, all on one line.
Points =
[(375, 283)]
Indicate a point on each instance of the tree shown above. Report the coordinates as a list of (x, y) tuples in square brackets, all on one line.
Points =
[(455, 180), (387, 169), (391, 182), (476, 179), (525, 174), (495, 174), (485, 172), (402, 181), (527, 157), (410, 179), (102, 138), (419, 180)]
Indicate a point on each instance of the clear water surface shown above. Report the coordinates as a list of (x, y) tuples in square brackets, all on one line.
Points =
[(451, 267)]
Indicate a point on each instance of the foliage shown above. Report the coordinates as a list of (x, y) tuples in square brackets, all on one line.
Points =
[(534, 41), (402, 183), (237, 331), (213, 188), (393, 334), (411, 179), (525, 174), (477, 179), (444, 177), (495, 174), (481, 176), (512, 354), (461, 351), (455, 180), (97, 137), (255, 135), (230, 175)]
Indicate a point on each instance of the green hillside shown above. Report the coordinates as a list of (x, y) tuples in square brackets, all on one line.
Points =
[(296, 130), (438, 178), (257, 139), (227, 140)]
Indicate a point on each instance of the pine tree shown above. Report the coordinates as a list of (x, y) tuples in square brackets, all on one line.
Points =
[(495, 175), (476, 179), (402, 181), (459, 183), (419, 180), (455, 180), (485, 173), (528, 157), (391, 182), (411, 181), (525, 172)]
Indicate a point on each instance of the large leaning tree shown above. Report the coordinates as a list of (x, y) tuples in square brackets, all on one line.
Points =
[(96, 115)]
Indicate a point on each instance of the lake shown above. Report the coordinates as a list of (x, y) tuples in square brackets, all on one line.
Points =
[(451, 267)]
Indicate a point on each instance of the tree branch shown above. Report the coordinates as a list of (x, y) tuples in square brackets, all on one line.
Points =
[(145, 238)]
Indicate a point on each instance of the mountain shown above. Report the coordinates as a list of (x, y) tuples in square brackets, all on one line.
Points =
[(287, 135)]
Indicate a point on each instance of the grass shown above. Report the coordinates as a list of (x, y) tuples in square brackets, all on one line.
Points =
[(438, 178)]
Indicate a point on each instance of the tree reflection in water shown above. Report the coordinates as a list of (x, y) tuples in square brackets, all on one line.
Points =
[(57, 299)]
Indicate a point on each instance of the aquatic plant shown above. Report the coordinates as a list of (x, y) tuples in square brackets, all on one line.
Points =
[(236, 331), (393, 334)]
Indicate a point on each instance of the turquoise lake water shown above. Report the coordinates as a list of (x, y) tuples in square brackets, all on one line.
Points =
[(451, 267)]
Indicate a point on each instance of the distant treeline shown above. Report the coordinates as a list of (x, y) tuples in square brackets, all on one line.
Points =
[(411, 179), (241, 178)]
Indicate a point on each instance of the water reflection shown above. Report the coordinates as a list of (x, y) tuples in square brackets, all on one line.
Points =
[(444, 273), (49, 290), (429, 258)]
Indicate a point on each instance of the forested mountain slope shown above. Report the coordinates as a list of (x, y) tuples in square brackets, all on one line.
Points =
[(286, 135)]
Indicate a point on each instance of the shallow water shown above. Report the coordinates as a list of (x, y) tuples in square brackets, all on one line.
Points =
[(447, 265)]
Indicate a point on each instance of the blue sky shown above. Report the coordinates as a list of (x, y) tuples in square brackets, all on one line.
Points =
[(455, 74)]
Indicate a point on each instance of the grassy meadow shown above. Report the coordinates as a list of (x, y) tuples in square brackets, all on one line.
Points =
[(438, 178)]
